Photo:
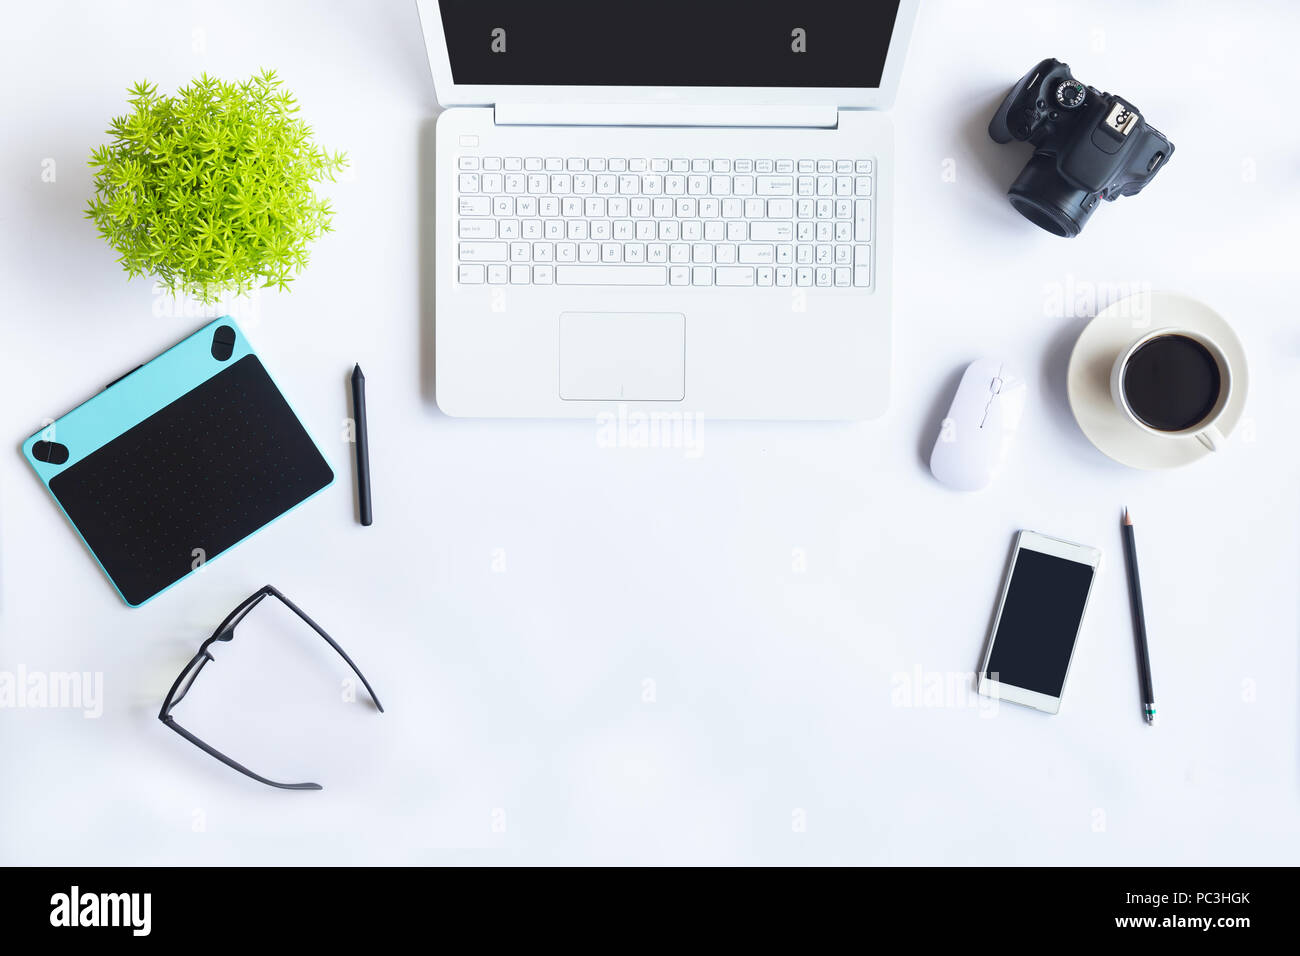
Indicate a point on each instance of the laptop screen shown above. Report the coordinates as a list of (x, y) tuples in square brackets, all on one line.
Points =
[(727, 43)]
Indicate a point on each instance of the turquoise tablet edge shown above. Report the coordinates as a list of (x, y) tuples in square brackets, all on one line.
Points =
[(133, 398)]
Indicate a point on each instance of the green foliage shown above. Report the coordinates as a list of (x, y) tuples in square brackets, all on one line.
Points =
[(210, 190)]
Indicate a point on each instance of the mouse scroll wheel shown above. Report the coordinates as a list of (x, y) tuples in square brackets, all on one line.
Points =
[(995, 386)]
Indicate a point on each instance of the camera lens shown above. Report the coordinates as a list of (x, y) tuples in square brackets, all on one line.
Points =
[(1048, 201)]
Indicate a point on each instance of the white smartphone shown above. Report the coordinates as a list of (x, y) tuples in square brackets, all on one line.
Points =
[(1038, 621)]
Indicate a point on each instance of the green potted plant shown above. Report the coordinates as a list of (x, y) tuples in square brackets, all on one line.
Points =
[(210, 190)]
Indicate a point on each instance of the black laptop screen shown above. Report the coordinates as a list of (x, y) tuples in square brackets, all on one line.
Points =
[(765, 43)]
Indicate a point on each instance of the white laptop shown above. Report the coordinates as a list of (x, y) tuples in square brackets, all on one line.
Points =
[(682, 207)]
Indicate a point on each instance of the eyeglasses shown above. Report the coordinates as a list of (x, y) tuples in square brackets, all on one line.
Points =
[(200, 660)]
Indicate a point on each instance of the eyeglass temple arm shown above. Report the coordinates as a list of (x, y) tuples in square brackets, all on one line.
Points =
[(234, 764), (332, 643)]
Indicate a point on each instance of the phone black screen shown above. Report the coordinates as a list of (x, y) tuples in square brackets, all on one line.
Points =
[(1040, 620)]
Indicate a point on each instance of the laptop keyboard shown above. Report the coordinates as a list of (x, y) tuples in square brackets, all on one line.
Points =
[(664, 222)]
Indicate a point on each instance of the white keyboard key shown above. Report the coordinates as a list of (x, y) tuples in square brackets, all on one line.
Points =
[(525, 207), (515, 182), (844, 166), (763, 166), (785, 165), (610, 275), (492, 162), (498, 275), (807, 186), (656, 252), (733, 275), (618, 165), (720, 185), (637, 165), (772, 232), (780, 208), (543, 252), (733, 208), (537, 183), (471, 274), (825, 166), (757, 253), (863, 166), (862, 220), (824, 277), (503, 206), (561, 183), (596, 165), (584, 184), (588, 252), (478, 229), (765, 275), (566, 252), (843, 255), (803, 275), (724, 254), (774, 186), (785, 254), (862, 255), (807, 166), (611, 252), (532, 164), (475, 206), (737, 230), (469, 182), (679, 275), (634, 252), (742, 185), (543, 275), (553, 164), (519, 274), (512, 164), (575, 164), (700, 165), (862, 186), (491, 182), (468, 162), (743, 165), (674, 184), (681, 166), (658, 165), (679, 252), (702, 275), (483, 252), (629, 184), (652, 185), (548, 207), (702, 252), (842, 276), (519, 251), (714, 230), (601, 229), (784, 275), (862, 275), (531, 228)]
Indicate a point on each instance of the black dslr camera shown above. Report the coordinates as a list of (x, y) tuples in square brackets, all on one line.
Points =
[(1088, 145)]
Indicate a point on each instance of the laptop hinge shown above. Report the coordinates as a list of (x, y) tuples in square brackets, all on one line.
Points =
[(664, 114)]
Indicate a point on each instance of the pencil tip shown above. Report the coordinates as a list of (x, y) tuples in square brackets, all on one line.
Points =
[(1127, 518)]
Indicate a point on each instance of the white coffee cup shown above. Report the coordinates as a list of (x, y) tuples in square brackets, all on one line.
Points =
[(1205, 431)]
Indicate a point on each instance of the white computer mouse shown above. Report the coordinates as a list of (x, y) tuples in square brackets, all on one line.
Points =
[(977, 433)]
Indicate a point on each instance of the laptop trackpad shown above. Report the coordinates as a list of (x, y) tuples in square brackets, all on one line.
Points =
[(628, 356)]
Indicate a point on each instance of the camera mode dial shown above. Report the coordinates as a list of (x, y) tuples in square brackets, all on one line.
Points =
[(1071, 93)]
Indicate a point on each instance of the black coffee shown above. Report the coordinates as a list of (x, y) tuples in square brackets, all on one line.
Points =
[(1172, 383)]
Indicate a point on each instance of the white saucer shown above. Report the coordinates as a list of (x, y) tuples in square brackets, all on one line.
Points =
[(1105, 337)]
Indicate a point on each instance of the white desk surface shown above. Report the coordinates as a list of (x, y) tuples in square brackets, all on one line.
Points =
[(518, 727)]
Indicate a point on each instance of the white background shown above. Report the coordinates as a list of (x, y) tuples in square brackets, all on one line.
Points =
[(517, 727)]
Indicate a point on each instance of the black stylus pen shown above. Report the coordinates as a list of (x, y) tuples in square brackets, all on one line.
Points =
[(1139, 621), (363, 445)]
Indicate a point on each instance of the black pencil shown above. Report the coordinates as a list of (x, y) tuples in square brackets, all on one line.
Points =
[(1139, 621), (363, 445)]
